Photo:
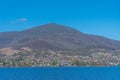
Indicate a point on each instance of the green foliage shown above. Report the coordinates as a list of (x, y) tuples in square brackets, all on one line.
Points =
[(55, 62)]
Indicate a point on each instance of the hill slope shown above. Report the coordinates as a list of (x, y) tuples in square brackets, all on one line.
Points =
[(55, 37)]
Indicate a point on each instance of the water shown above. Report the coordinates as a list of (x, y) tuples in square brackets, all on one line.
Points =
[(63, 73)]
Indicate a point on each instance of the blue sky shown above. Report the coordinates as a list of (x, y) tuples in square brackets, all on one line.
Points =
[(99, 17)]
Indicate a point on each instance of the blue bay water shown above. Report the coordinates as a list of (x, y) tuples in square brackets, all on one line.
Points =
[(61, 73)]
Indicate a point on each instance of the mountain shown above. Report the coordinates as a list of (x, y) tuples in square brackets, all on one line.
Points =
[(53, 36)]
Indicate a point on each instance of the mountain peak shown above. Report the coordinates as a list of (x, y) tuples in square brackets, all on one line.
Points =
[(55, 36), (53, 25)]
